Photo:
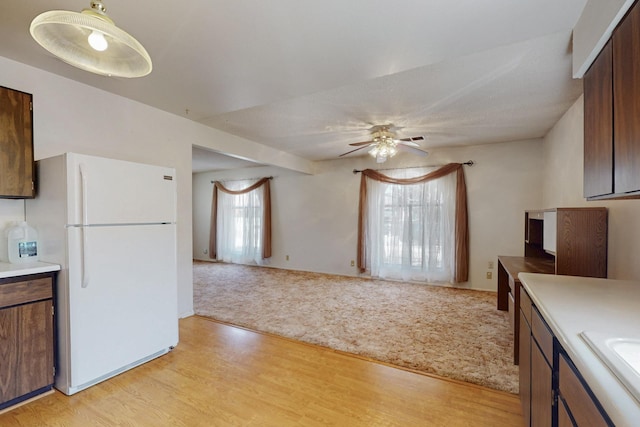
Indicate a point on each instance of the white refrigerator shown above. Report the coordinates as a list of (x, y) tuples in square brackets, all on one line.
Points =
[(111, 225)]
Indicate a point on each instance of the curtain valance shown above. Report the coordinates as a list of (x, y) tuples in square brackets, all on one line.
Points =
[(221, 187), (461, 221)]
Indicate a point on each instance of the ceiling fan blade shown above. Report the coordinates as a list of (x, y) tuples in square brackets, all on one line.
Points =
[(349, 152), (357, 144), (407, 143), (412, 150), (412, 140)]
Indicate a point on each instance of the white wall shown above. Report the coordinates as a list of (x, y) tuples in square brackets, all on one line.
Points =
[(73, 117), (315, 216), (10, 211), (593, 30), (563, 158)]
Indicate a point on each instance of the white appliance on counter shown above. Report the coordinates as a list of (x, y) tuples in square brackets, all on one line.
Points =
[(111, 225)]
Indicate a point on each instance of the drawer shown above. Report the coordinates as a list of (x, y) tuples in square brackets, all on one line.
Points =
[(578, 401), (26, 291), (542, 335)]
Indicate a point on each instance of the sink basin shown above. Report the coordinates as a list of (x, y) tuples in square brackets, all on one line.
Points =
[(621, 355)]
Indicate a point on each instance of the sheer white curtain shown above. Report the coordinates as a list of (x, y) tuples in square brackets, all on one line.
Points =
[(239, 224), (410, 229)]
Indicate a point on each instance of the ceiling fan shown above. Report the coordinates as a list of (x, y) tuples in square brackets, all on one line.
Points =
[(384, 144)]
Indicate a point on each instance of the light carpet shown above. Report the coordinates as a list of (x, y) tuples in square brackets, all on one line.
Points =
[(454, 333)]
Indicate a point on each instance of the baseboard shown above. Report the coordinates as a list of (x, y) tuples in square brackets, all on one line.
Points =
[(186, 314)]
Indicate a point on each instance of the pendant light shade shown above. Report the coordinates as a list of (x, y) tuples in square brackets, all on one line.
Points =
[(91, 41)]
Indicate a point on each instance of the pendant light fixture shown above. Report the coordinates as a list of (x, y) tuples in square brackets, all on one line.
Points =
[(91, 41)]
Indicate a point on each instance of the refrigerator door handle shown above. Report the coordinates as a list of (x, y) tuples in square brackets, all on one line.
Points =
[(85, 220), (85, 275)]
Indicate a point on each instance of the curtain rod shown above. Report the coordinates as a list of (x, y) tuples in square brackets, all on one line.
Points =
[(469, 163), (242, 179)]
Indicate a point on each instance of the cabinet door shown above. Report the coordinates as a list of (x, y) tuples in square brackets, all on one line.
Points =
[(626, 93), (525, 368), (578, 401), (26, 349), (598, 125), (16, 144), (541, 389), (564, 420), (582, 242)]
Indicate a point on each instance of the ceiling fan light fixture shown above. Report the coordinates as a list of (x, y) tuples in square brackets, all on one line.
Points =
[(383, 147), (383, 144), (90, 40)]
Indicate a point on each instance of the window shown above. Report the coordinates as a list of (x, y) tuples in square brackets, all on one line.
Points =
[(406, 213), (246, 227), (410, 228), (241, 221)]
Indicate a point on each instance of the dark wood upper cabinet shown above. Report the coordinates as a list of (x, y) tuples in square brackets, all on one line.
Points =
[(626, 109), (598, 125), (611, 111), (581, 242), (16, 145)]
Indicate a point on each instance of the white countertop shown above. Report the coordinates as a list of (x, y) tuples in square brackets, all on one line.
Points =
[(571, 305), (13, 270)]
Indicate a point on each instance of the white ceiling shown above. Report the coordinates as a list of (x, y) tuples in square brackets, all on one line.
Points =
[(309, 77)]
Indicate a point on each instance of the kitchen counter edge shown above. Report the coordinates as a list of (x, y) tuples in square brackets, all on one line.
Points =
[(8, 270)]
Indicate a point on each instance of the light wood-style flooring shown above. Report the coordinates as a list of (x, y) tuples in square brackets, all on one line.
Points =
[(221, 375)]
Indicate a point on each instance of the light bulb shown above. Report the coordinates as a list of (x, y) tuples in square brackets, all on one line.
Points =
[(97, 41)]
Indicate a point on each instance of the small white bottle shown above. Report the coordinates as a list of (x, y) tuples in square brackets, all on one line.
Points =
[(22, 241)]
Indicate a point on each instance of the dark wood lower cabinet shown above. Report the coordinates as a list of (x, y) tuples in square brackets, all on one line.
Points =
[(26, 339), (580, 407), (536, 374), (541, 389), (566, 403), (525, 368), (564, 419), (27, 349)]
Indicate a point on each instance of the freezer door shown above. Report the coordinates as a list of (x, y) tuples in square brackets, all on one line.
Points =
[(122, 298), (107, 191)]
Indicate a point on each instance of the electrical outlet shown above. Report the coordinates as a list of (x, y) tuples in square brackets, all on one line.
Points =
[(206, 251), (353, 263), (489, 275), (287, 257), (490, 265)]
